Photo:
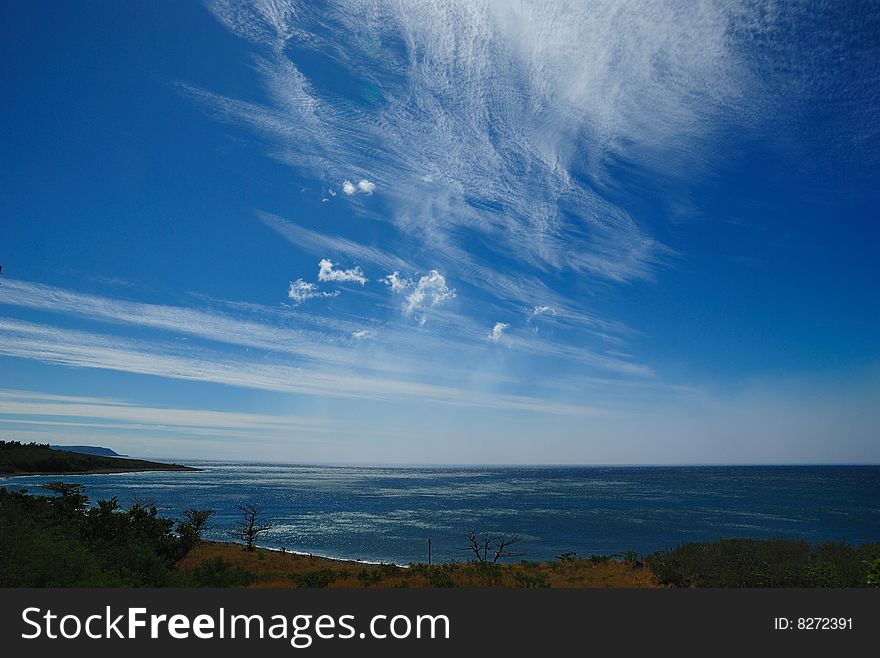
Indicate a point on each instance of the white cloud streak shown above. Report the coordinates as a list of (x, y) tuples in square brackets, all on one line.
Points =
[(309, 345), (510, 114), (541, 310), (17, 407), (319, 243), (273, 333), (79, 349)]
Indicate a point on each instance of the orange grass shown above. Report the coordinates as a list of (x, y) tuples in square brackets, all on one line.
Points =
[(275, 569)]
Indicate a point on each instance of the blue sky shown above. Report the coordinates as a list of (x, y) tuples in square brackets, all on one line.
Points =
[(604, 232)]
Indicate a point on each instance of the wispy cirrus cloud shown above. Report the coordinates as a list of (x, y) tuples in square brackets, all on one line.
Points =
[(309, 344), (507, 139), (499, 119), (541, 310), (30, 407), (322, 243), (313, 338), (81, 349)]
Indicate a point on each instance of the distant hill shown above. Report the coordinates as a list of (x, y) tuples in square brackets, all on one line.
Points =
[(40, 459), (89, 450)]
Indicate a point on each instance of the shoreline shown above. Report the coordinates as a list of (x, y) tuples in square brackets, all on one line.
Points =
[(319, 556), (32, 459), (227, 564), (175, 468), (347, 560)]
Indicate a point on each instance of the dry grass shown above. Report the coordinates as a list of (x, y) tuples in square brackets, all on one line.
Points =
[(276, 569)]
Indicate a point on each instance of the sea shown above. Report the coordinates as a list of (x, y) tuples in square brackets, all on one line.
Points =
[(388, 514)]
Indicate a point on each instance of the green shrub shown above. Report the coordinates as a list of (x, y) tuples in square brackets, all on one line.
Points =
[(762, 563), (217, 572), (314, 579), (534, 580), (440, 576), (60, 542), (872, 577)]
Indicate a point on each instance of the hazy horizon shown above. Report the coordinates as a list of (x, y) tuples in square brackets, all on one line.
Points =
[(443, 234), (476, 465)]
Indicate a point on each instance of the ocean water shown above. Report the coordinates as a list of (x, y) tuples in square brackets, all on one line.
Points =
[(387, 514)]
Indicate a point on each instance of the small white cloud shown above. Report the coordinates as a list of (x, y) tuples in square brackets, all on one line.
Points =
[(332, 193), (363, 334), (498, 331), (396, 282), (301, 291), (541, 310), (327, 273), (429, 291), (363, 187)]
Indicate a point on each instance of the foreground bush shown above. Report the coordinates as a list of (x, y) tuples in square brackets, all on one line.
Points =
[(765, 563), (59, 541)]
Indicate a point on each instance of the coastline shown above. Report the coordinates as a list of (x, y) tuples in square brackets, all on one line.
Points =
[(177, 468), (225, 564), (345, 560), (27, 459)]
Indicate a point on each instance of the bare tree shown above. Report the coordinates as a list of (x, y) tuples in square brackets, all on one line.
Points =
[(489, 548), (250, 525)]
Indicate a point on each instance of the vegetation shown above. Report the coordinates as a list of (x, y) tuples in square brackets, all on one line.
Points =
[(726, 563), (284, 569), (873, 577), (39, 459), (767, 563), (250, 526), (59, 541), (489, 548)]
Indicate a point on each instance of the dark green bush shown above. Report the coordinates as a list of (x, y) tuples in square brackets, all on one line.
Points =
[(872, 578), (58, 541), (315, 579), (217, 572), (763, 563), (368, 577), (532, 580), (441, 576)]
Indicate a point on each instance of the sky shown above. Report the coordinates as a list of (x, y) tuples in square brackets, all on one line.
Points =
[(432, 232)]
